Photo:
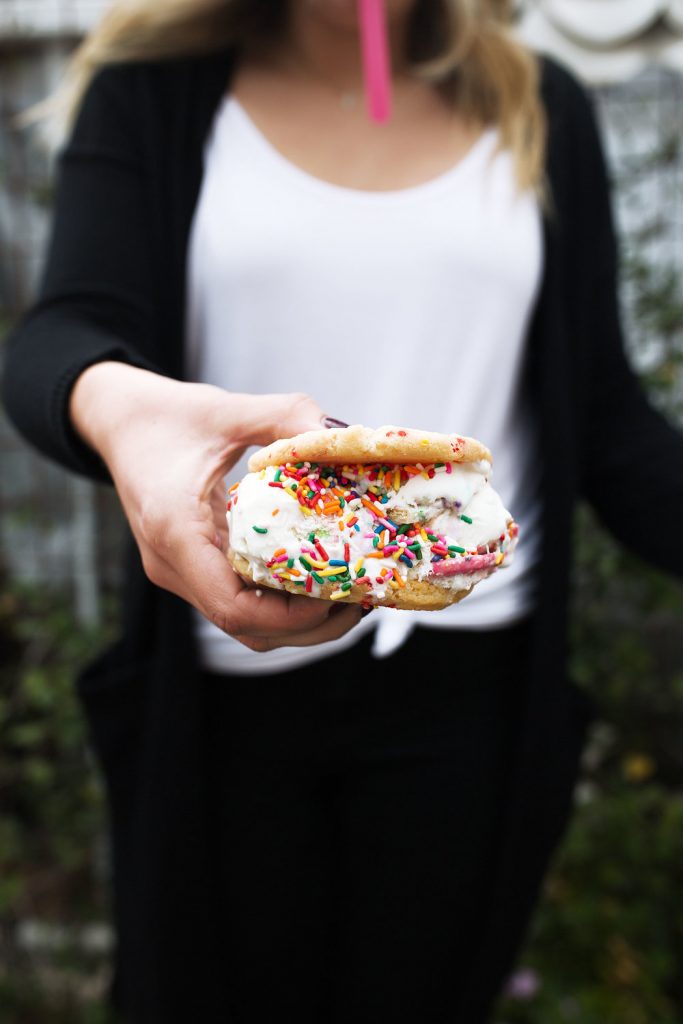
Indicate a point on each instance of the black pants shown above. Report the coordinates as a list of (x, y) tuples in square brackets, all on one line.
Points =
[(359, 803)]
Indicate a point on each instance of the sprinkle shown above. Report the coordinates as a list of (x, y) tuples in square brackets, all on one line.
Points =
[(346, 586), (275, 512), (280, 551), (449, 468), (321, 551), (306, 564), (329, 572), (424, 441), (234, 487), (347, 553), (311, 537), (456, 548), (358, 566), (466, 519), (309, 584), (290, 563), (404, 558), (397, 577), (273, 484), (352, 521), (317, 578), (360, 574), (370, 507), (260, 529), (277, 475), (339, 561), (336, 595)]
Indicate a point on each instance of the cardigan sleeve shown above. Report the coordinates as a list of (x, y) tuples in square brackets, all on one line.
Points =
[(632, 458), (95, 301)]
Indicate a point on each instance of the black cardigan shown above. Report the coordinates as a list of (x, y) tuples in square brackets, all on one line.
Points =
[(114, 288)]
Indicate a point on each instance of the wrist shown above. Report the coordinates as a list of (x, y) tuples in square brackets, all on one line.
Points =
[(104, 398)]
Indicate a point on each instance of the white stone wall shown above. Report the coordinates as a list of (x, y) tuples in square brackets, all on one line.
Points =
[(606, 41), (22, 19)]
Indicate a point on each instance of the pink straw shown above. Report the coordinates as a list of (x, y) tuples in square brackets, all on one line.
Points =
[(375, 49)]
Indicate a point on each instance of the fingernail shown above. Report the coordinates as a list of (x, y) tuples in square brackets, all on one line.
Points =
[(366, 611), (329, 423)]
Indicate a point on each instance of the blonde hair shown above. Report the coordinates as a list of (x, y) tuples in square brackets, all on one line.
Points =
[(465, 47)]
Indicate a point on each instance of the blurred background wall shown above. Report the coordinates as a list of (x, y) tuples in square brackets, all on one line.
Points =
[(608, 942)]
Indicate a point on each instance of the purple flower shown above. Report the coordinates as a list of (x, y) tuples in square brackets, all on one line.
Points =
[(523, 984)]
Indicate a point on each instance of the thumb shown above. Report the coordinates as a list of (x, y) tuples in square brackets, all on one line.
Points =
[(266, 418)]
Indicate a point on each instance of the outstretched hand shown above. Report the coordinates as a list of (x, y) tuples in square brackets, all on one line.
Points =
[(168, 446)]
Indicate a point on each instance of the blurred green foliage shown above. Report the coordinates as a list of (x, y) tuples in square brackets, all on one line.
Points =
[(51, 819), (606, 945)]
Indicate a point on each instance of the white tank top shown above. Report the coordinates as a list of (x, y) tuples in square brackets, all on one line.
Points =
[(409, 306)]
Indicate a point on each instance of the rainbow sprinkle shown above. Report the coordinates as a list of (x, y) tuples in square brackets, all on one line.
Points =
[(346, 504)]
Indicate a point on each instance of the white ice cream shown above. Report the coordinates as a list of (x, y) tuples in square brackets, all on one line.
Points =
[(264, 519)]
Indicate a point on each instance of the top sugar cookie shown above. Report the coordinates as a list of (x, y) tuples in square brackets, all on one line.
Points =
[(361, 444)]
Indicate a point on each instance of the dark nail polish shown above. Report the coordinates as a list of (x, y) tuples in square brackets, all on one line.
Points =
[(366, 611), (329, 423)]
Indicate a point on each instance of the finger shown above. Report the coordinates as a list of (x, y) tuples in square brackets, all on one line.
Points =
[(217, 504), (209, 582), (183, 557), (260, 618), (266, 418), (337, 624)]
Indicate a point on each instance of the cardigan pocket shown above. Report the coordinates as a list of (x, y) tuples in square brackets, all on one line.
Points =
[(113, 695)]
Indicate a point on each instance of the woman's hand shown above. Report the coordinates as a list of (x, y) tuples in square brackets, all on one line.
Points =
[(168, 446)]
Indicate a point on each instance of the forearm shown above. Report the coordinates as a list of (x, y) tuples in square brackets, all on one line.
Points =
[(105, 397), (44, 357), (633, 474)]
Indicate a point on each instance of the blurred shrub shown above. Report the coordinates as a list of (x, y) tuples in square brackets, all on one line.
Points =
[(607, 943), (51, 820)]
